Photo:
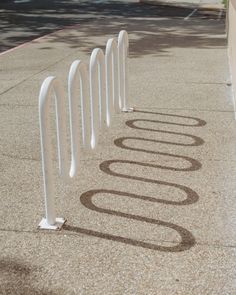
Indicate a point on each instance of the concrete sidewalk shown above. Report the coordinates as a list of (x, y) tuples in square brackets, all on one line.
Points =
[(153, 211)]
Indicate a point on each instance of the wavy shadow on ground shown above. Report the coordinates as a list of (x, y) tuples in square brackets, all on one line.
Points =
[(199, 123), (196, 141), (191, 197), (187, 239), (187, 242), (194, 164)]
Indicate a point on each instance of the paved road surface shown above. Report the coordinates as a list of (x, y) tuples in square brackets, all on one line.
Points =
[(21, 21)]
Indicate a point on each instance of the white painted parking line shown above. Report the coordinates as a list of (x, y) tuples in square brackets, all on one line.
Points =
[(191, 14)]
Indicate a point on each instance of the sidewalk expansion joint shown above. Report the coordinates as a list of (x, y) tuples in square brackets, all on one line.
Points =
[(38, 160), (13, 105), (35, 74), (185, 109), (64, 233), (19, 158)]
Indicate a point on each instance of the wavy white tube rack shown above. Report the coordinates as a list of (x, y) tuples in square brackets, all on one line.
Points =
[(102, 92)]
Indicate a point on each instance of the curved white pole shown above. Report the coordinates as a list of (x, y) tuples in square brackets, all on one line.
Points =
[(97, 94), (123, 47), (112, 85), (78, 70), (51, 86)]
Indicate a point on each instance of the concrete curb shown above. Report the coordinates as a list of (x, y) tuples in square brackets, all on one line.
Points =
[(211, 7)]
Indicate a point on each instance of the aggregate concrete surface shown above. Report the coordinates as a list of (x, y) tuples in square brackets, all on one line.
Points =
[(153, 209)]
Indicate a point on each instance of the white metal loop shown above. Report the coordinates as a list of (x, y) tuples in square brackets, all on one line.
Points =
[(123, 47), (112, 89), (78, 70), (97, 94), (51, 86)]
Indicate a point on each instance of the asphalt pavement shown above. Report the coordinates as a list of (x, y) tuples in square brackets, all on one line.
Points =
[(22, 21)]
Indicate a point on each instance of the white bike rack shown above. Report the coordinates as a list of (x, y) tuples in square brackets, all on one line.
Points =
[(103, 91)]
